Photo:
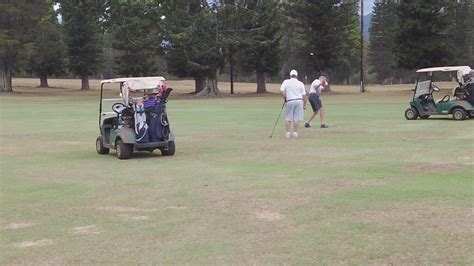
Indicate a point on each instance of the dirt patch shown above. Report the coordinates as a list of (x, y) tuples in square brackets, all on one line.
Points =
[(133, 217), (123, 209), (450, 220), (86, 230), (32, 244), (176, 207), (433, 168), (269, 216), (20, 225)]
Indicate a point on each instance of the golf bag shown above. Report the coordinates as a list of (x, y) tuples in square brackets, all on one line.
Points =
[(470, 93), (141, 127), (158, 123)]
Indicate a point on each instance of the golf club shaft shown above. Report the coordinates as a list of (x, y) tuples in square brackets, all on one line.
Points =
[(278, 118)]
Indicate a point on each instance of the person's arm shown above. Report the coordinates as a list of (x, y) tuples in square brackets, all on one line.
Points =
[(305, 96), (283, 91)]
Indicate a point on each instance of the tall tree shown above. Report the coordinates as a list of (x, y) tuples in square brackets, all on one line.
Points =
[(194, 43), (137, 36), (259, 37), (328, 30), (82, 21), (383, 30), (423, 36), (462, 33), (18, 19), (48, 50)]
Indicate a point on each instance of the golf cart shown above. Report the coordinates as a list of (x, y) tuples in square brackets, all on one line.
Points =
[(137, 121), (460, 105)]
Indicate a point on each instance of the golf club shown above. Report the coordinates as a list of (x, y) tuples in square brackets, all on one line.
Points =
[(276, 122)]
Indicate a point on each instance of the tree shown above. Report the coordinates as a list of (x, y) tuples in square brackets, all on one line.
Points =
[(194, 43), (137, 35), (82, 22), (17, 20), (327, 29), (462, 33), (258, 35), (423, 36), (382, 37), (48, 50)]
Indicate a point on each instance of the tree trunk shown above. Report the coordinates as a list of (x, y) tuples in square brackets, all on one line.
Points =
[(261, 85), (6, 77), (85, 83), (211, 88), (199, 84), (44, 81)]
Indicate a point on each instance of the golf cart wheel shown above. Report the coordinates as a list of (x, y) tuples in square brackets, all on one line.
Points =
[(170, 150), (411, 114), (459, 114), (424, 116), (124, 151), (99, 146)]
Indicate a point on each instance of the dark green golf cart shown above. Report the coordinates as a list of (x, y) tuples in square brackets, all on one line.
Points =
[(138, 120), (458, 105)]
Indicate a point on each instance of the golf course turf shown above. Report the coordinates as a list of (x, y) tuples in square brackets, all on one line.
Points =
[(372, 189)]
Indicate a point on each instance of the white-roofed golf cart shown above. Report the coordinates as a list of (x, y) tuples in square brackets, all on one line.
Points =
[(135, 122), (458, 105)]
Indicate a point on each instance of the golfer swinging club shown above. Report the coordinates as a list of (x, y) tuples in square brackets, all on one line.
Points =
[(317, 86), (294, 94)]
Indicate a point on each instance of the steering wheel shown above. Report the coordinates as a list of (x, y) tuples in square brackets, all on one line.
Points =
[(118, 107), (435, 88), (445, 99)]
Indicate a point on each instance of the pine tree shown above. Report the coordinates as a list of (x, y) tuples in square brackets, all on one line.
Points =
[(82, 22), (18, 19), (328, 29), (462, 33), (382, 37), (137, 35), (195, 43), (259, 38), (48, 50), (423, 36)]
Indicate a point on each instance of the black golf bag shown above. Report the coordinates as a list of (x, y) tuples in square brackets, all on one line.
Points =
[(470, 93), (157, 120)]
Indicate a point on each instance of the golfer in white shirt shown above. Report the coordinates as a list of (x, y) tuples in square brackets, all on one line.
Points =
[(294, 93), (317, 86)]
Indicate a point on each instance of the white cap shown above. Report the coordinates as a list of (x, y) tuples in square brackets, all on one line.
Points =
[(293, 73)]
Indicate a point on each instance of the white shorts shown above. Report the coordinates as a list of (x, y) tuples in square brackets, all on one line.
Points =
[(294, 110)]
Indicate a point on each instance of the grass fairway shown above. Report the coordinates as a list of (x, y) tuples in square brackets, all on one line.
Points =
[(373, 189)]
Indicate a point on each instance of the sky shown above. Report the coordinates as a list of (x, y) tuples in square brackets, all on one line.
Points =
[(368, 5)]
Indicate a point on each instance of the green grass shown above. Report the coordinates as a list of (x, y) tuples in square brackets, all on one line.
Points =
[(375, 188)]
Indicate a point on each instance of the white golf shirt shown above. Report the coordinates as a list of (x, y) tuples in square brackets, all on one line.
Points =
[(316, 87), (293, 88)]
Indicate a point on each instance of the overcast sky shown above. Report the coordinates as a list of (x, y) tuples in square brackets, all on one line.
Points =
[(368, 5)]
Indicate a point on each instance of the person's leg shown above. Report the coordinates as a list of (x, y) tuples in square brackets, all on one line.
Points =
[(288, 128), (299, 115), (313, 115), (321, 115), (296, 125), (288, 118)]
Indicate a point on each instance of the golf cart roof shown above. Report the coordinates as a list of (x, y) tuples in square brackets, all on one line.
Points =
[(460, 71), (137, 83), (464, 69)]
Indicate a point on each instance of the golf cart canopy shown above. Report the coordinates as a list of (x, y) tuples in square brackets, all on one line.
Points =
[(461, 71), (135, 84), (138, 83)]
